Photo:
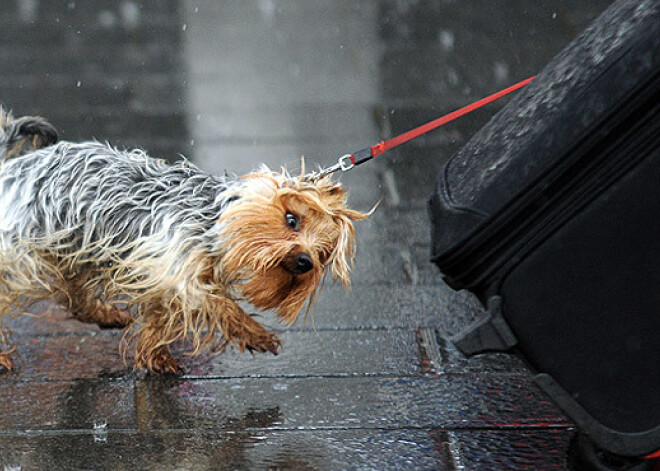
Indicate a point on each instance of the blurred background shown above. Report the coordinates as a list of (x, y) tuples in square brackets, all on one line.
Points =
[(233, 84)]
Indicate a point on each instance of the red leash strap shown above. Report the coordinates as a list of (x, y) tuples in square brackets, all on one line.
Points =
[(348, 161), (436, 123)]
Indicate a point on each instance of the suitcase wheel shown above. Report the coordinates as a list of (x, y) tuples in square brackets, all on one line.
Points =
[(584, 455)]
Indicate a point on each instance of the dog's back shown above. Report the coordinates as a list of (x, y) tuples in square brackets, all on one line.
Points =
[(23, 135)]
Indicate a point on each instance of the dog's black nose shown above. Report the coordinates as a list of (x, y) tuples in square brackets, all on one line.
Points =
[(303, 264)]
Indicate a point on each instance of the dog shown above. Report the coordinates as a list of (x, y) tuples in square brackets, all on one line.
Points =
[(165, 251)]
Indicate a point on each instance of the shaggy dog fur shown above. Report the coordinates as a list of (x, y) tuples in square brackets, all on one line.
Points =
[(166, 251)]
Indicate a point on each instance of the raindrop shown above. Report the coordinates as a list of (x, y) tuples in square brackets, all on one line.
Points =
[(100, 425), (501, 71), (130, 15), (107, 19), (79, 84), (447, 40), (267, 9), (184, 27), (100, 431), (27, 11), (554, 16), (71, 5), (452, 76)]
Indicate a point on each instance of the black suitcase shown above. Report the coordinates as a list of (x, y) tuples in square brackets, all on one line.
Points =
[(551, 215)]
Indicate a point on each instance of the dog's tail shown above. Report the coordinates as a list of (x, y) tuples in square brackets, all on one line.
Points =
[(23, 135)]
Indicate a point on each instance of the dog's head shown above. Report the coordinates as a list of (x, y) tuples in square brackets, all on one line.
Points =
[(282, 235)]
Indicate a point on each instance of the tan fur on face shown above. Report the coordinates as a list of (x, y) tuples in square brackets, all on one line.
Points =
[(259, 240)]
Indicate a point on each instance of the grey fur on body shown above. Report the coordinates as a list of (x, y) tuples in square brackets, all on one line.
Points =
[(89, 193)]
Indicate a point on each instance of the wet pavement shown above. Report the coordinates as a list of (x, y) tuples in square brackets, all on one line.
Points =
[(370, 380)]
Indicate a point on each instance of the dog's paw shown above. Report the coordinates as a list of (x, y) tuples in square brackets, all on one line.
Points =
[(163, 363), (266, 342)]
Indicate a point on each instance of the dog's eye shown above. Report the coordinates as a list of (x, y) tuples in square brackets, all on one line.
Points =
[(292, 221), (323, 257)]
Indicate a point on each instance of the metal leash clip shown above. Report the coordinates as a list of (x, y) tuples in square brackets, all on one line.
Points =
[(345, 163)]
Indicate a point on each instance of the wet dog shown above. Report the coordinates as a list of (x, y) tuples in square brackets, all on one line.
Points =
[(124, 240)]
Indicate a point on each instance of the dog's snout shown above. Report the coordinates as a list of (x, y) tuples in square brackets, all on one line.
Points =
[(297, 264), (303, 263)]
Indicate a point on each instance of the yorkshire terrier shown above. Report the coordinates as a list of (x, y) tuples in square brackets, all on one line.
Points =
[(168, 252)]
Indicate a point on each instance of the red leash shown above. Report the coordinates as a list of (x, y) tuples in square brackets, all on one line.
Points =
[(348, 161)]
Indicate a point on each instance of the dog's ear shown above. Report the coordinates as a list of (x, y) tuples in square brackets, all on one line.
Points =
[(26, 134), (341, 258)]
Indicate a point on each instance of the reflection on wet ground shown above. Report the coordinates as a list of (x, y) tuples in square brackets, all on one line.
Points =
[(370, 380)]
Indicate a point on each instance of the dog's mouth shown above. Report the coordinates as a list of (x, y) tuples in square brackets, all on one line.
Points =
[(298, 264)]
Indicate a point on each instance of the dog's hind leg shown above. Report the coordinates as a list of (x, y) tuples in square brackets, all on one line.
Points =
[(105, 315), (81, 297)]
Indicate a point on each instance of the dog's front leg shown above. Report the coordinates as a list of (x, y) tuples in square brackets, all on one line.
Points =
[(242, 331), (157, 330)]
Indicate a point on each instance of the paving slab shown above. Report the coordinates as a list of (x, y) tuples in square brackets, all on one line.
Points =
[(243, 449), (303, 123), (448, 401), (336, 354), (509, 449), (66, 357), (407, 226), (67, 405), (393, 306), (439, 356)]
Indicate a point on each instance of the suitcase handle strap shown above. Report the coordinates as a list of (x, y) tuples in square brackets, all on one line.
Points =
[(349, 161)]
